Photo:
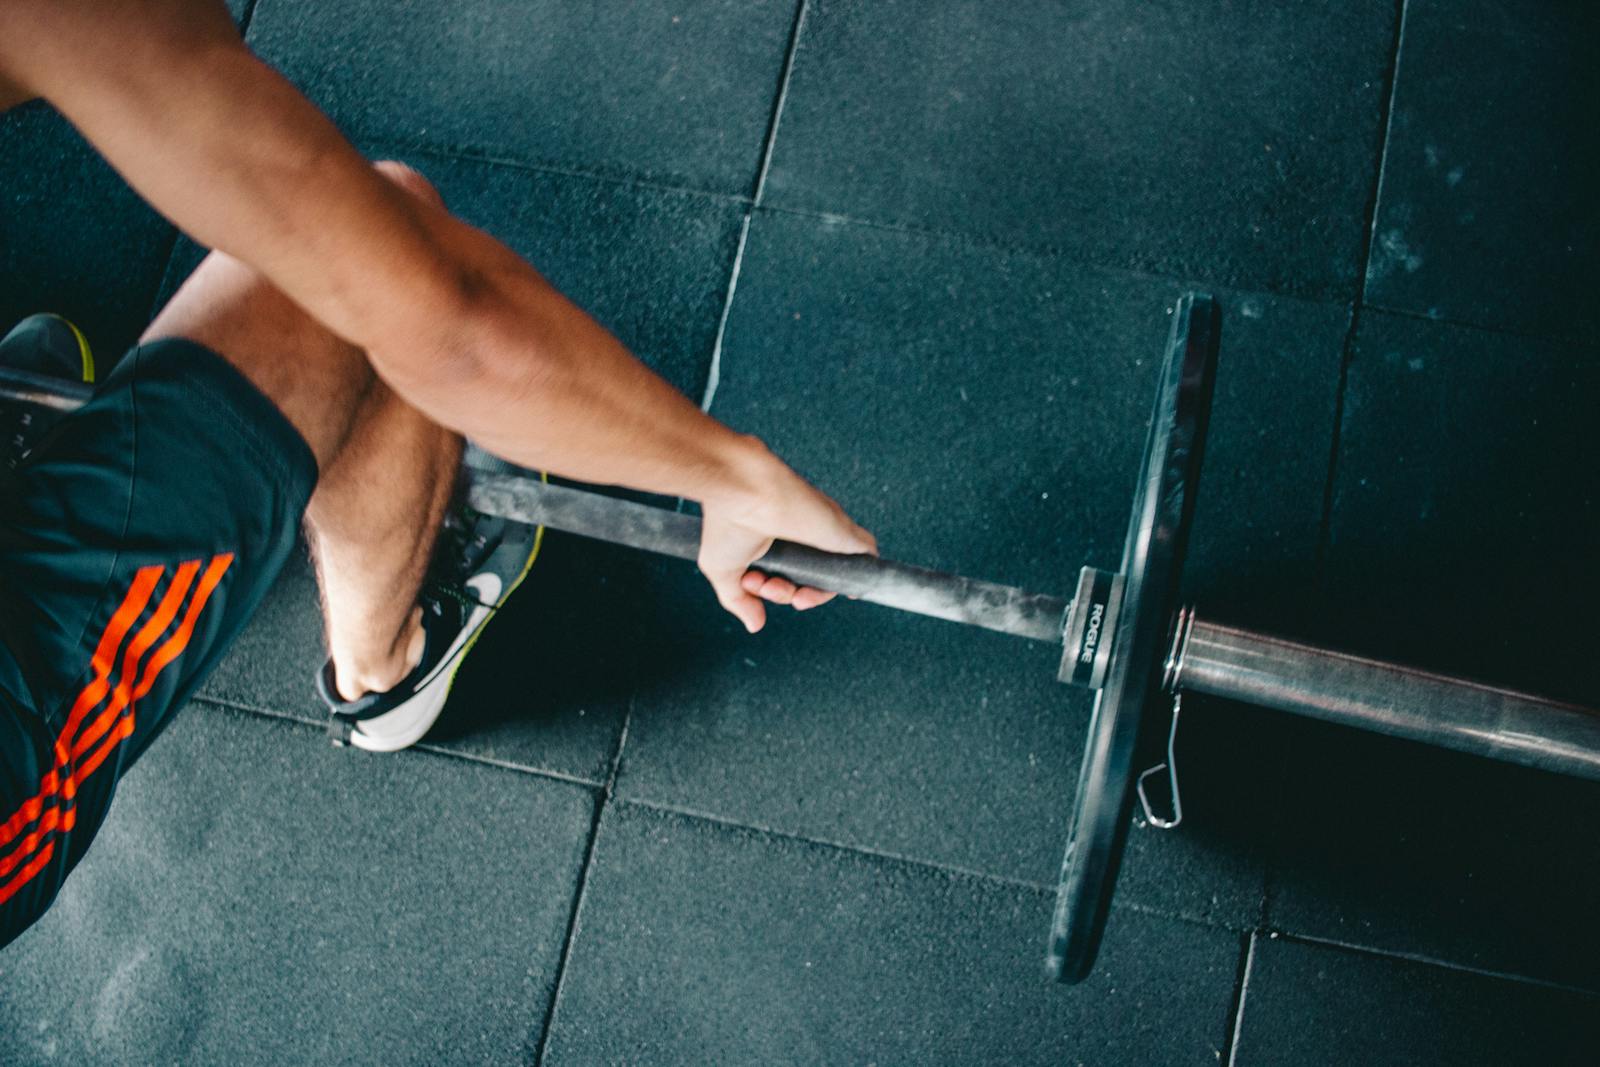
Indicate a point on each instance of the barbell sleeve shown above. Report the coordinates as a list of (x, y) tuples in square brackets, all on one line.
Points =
[(919, 590), (1385, 698)]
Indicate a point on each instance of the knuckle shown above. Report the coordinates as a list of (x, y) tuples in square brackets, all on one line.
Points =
[(408, 178)]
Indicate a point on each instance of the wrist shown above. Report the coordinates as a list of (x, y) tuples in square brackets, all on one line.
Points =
[(748, 482)]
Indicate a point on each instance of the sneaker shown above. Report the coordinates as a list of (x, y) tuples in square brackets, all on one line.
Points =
[(45, 359), (479, 562)]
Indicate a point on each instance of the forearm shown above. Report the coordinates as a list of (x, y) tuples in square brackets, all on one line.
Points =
[(531, 377), (227, 149), (460, 326)]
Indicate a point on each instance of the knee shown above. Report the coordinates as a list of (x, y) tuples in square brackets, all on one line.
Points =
[(409, 179)]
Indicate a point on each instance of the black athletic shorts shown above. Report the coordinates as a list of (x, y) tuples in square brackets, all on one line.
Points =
[(135, 541)]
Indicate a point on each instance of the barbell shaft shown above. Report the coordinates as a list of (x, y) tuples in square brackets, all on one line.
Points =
[(1385, 698), (870, 578), (1207, 657), (989, 605), (1223, 661)]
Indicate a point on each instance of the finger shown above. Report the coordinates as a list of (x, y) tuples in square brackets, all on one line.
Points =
[(807, 598), (409, 179), (749, 610), (752, 582), (777, 590)]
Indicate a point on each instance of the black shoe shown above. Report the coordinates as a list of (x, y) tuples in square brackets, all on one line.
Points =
[(478, 563), (47, 358)]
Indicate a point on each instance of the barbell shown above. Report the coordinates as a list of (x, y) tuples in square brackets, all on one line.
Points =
[(1123, 634)]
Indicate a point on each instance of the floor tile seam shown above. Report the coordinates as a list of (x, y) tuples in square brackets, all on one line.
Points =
[(1241, 989), (453, 152), (574, 922), (797, 27), (507, 765), (265, 711), (1347, 352), (1062, 253), (1177, 915), (1264, 913), (615, 767), (602, 801), (948, 869), (167, 262), (1392, 76), (274, 715), (1376, 952), (825, 844), (249, 14), (714, 370), (1579, 339)]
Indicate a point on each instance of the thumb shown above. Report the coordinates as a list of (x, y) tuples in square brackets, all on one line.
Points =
[(831, 530)]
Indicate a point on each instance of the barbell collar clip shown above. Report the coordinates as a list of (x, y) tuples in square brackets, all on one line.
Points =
[(1171, 767)]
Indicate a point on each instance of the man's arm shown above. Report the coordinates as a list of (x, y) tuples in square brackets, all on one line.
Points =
[(458, 324), (11, 93)]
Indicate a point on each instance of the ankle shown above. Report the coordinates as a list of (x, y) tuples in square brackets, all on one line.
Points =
[(357, 673), (354, 678)]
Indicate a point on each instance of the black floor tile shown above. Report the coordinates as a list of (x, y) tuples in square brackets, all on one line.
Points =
[(680, 93), (74, 239), (652, 266), (1486, 213), (259, 897), (272, 665), (1467, 497), (981, 412), (699, 943), (1461, 542), (1399, 847), (1310, 1004), (1237, 144), (545, 688), (858, 725)]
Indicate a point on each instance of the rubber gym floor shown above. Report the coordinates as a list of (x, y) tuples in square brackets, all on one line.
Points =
[(927, 250)]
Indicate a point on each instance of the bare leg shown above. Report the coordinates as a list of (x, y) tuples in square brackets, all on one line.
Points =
[(315, 379), (387, 471), (372, 523)]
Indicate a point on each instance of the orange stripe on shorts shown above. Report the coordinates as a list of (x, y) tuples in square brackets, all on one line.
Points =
[(144, 583), (113, 726)]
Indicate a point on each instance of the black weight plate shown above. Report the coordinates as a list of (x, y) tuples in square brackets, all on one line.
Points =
[(1163, 506)]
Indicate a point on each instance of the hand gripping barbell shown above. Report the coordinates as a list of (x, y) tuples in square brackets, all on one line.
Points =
[(1123, 634)]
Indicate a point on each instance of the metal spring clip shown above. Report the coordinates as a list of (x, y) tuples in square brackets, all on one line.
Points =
[(1171, 767)]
